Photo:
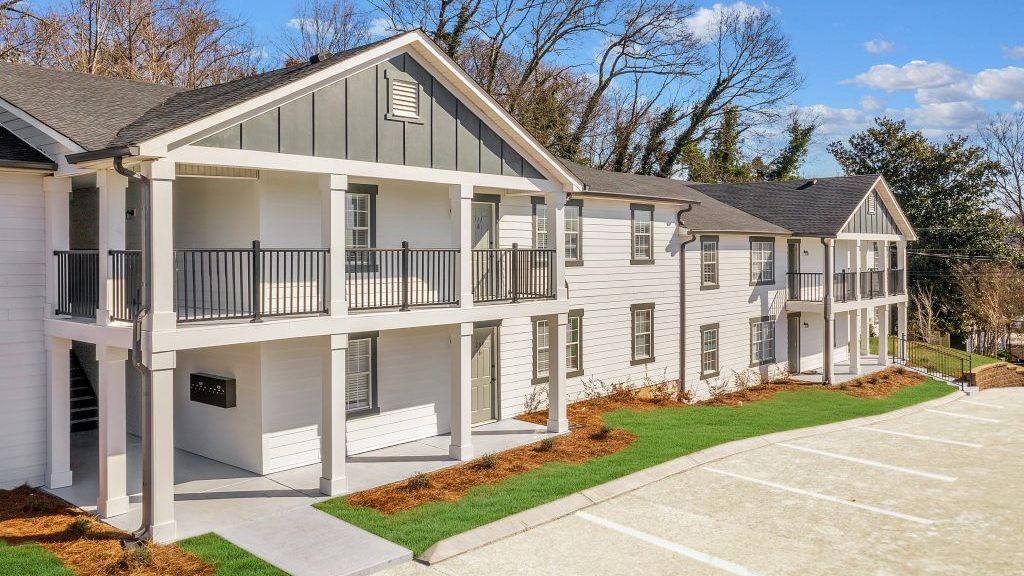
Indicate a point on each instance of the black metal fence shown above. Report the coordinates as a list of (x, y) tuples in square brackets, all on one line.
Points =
[(513, 274), (896, 281), (935, 361), (126, 271), (844, 286), (233, 283), (78, 282), (401, 277), (805, 286)]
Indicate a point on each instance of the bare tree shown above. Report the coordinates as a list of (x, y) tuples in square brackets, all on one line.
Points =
[(1003, 137), (322, 26), (750, 69), (993, 297), (447, 21), (923, 302)]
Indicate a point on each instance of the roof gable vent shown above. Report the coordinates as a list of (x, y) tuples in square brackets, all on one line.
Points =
[(405, 99)]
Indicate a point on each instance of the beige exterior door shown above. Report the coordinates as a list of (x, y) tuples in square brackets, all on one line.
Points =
[(484, 375)]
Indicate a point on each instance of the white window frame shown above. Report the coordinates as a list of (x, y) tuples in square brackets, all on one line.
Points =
[(641, 228), (762, 261), (574, 337), (540, 225), (350, 217), (541, 350), (642, 315), (708, 262), (710, 344), (364, 365), (762, 341)]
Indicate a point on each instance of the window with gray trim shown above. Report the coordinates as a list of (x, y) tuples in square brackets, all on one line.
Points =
[(574, 232), (642, 233), (358, 220), (361, 375), (642, 333), (708, 262), (762, 260), (762, 340), (709, 350), (573, 344), (540, 224)]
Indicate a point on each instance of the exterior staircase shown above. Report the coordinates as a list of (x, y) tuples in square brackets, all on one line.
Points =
[(84, 405)]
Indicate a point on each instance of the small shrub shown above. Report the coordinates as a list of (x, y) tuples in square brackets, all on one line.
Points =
[(79, 527), (134, 557), (487, 461), (418, 481), (536, 400), (546, 445), (900, 370), (602, 433)]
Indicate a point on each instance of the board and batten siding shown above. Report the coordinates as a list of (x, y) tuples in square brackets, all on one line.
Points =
[(350, 119), (23, 412), (732, 306), (604, 287), (864, 222)]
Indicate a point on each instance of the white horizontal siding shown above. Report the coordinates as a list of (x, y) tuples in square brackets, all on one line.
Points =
[(23, 413), (291, 375)]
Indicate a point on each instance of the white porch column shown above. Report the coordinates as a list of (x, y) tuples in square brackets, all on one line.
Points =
[(882, 315), (555, 203), (57, 199), (113, 453), (460, 197), (901, 319), (161, 174), (828, 369), (854, 322), (333, 448), (865, 332), (855, 266), (162, 523), (112, 189), (883, 252), (901, 260), (58, 465), (461, 447), (558, 420), (333, 188)]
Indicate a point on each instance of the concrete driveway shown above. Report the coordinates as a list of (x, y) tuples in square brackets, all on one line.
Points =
[(935, 492)]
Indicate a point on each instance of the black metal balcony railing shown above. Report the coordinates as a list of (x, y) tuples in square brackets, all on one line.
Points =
[(804, 286), (217, 284), (78, 283), (872, 284), (401, 277), (126, 271), (895, 285), (513, 274), (844, 286)]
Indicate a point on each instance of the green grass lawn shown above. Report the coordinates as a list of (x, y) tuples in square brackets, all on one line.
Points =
[(226, 558), (923, 356), (662, 434), (29, 560)]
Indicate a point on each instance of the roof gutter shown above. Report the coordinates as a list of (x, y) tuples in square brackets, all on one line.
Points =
[(28, 165), (103, 154), (590, 193)]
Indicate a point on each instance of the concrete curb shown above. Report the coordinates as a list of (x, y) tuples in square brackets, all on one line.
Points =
[(522, 521)]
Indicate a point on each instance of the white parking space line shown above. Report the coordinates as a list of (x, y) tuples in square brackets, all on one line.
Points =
[(985, 404), (920, 437), (697, 555), (821, 496), (965, 416), (866, 462)]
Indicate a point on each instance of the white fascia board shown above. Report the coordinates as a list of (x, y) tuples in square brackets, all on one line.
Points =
[(353, 168), (443, 68), (59, 138)]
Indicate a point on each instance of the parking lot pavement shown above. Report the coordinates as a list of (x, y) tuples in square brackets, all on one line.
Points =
[(936, 492)]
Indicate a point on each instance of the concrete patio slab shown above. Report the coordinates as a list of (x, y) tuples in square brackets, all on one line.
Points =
[(844, 372), (307, 542)]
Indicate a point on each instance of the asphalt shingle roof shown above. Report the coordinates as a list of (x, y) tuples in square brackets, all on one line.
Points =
[(14, 152), (710, 215), (805, 208)]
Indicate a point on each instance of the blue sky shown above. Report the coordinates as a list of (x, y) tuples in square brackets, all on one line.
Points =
[(941, 65)]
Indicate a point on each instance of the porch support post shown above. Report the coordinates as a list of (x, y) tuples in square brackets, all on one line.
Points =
[(558, 420), (57, 199), (555, 203), (901, 319), (333, 188), (460, 197), (901, 260), (855, 267), (854, 321), (828, 369), (865, 332), (884, 266), (161, 174), (461, 447), (113, 454), (112, 188), (58, 465), (882, 315), (163, 526), (333, 449)]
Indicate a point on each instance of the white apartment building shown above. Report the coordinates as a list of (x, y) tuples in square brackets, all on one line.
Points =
[(365, 250)]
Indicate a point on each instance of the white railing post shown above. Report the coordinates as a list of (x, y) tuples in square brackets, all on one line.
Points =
[(333, 191), (161, 176), (111, 199), (333, 447), (57, 198), (460, 197), (461, 447)]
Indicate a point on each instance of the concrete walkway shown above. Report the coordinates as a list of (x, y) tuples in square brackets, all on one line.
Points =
[(307, 542)]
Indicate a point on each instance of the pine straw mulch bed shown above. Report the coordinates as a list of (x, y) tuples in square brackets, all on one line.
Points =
[(589, 438), (86, 546)]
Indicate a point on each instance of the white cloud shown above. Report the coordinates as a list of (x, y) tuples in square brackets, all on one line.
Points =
[(302, 23), (911, 76), (999, 84), (944, 117), (878, 46), (871, 103), (705, 20), (380, 27), (1014, 52)]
